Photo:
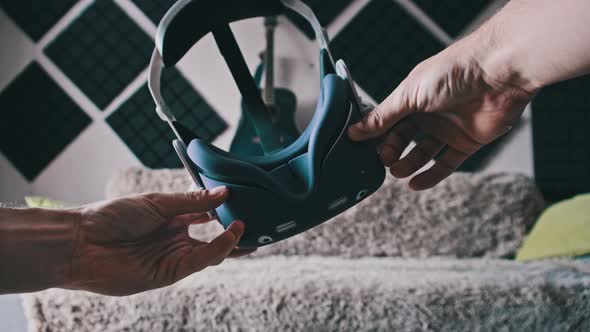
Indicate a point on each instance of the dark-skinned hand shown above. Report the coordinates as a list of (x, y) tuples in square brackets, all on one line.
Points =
[(138, 243)]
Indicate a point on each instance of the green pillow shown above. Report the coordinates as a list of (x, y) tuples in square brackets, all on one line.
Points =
[(563, 230)]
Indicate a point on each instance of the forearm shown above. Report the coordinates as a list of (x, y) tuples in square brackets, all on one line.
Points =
[(36, 248), (535, 42)]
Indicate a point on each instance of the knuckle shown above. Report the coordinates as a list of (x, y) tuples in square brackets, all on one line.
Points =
[(152, 196), (197, 195), (154, 201), (375, 120)]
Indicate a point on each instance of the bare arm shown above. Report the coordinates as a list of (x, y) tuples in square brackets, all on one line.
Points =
[(36, 247), (542, 41), (117, 247), (475, 90)]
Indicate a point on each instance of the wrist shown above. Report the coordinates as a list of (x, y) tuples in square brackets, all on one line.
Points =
[(72, 220), (36, 248), (501, 57)]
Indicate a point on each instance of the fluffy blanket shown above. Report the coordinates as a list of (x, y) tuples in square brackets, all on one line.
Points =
[(465, 216), (364, 284), (336, 294)]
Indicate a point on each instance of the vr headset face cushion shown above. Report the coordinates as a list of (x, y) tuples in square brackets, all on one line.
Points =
[(223, 166)]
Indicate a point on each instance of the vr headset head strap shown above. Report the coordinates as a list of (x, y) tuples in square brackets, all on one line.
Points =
[(190, 20)]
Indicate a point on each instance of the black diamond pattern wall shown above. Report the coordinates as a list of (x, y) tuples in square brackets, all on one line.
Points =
[(326, 11), (154, 9), (102, 51), (150, 139), (453, 16), (381, 45), (38, 121), (36, 17)]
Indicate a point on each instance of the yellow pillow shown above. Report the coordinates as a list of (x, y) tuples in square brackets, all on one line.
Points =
[(43, 203), (563, 230)]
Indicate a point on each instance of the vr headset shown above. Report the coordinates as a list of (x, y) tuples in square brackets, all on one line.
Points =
[(286, 192)]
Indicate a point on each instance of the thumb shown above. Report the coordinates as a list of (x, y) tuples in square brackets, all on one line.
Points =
[(380, 120), (171, 205)]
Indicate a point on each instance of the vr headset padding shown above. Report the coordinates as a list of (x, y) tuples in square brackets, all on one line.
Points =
[(304, 156)]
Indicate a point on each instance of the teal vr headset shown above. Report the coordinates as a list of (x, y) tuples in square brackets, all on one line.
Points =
[(281, 193)]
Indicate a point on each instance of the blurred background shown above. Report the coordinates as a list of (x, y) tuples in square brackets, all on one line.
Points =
[(75, 106)]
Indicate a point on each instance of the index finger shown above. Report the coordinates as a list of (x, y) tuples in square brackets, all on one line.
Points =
[(172, 205)]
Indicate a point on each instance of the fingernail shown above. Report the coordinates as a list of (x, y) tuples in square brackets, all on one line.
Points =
[(217, 191)]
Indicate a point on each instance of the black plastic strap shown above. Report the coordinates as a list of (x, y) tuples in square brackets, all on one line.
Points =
[(229, 48), (190, 20)]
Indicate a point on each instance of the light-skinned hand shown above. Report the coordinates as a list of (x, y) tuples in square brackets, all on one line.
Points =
[(451, 107)]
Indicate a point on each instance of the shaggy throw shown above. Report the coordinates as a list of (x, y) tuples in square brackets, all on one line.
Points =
[(467, 215), (336, 294), (464, 216)]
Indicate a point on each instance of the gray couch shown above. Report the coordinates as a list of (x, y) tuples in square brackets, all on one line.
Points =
[(400, 261)]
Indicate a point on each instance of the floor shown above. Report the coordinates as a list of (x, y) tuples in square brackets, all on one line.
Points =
[(12, 318)]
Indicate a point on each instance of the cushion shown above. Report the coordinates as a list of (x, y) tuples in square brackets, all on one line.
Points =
[(44, 203), (466, 215), (562, 231)]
